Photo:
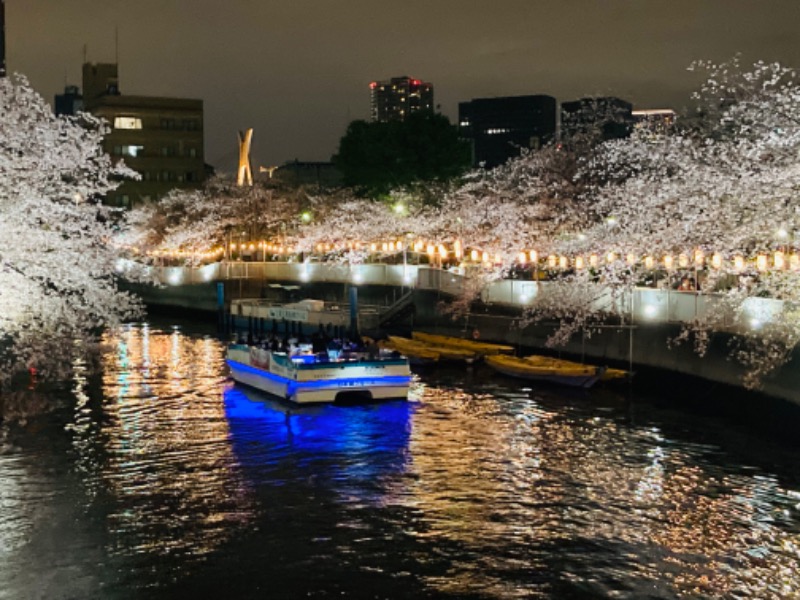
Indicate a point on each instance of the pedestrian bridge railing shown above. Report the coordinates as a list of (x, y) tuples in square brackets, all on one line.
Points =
[(634, 305)]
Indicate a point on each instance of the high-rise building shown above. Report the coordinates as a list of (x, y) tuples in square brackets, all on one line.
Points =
[(70, 102), (397, 98), (499, 128), (657, 121), (160, 138), (2, 38), (601, 118)]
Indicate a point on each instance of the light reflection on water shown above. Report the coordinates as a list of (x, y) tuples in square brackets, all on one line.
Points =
[(163, 478)]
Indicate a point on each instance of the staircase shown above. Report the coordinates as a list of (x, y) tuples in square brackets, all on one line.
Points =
[(402, 308)]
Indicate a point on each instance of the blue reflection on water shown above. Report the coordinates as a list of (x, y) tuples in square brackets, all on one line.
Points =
[(367, 440)]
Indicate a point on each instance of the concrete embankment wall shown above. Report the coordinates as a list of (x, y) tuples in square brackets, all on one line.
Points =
[(644, 346)]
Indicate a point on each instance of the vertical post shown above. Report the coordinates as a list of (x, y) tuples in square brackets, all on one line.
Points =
[(221, 307), (353, 297), (630, 335)]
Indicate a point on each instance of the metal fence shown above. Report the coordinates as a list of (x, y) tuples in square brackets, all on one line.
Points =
[(636, 304)]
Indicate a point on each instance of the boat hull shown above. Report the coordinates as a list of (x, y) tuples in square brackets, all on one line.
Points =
[(519, 368), (313, 383)]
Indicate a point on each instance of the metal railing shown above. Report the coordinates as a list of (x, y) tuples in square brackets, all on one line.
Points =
[(638, 304)]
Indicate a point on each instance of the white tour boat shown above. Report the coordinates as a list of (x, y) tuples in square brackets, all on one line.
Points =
[(308, 378)]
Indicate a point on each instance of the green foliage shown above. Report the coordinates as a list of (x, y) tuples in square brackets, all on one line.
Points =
[(378, 157)]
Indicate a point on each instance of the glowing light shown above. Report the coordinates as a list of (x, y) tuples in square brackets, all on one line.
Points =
[(594, 260), (779, 260), (761, 262), (563, 262), (533, 255), (630, 259), (522, 258), (552, 261), (175, 277), (683, 260), (611, 257), (738, 263), (716, 260), (699, 258), (579, 262), (649, 263), (668, 262), (457, 249), (473, 255)]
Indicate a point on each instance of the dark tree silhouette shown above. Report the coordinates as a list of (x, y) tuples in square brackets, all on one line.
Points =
[(377, 157)]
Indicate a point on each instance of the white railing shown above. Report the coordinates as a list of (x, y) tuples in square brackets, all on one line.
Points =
[(642, 305)]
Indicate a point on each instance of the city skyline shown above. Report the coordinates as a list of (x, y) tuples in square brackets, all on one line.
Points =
[(299, 72)]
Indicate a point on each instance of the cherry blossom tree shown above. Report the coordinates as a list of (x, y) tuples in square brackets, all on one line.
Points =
[(719, 194), (194, 221), (58, 288)]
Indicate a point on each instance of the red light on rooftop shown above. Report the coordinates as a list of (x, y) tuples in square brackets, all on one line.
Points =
[(373, 85), (415, 82)]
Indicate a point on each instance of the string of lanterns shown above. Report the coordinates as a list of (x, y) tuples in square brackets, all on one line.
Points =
[(778, 260)]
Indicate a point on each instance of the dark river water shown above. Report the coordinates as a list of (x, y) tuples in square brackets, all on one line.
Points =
[(161, 479)]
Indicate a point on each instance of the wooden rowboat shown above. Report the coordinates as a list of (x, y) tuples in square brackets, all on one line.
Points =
[(479, 348), (417, 355), (559, 363), (563, 372)]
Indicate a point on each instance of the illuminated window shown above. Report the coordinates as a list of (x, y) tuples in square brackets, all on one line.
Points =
[(131, 150), (127, 123)]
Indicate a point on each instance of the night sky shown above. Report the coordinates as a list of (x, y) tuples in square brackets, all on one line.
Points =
[(298, 71)]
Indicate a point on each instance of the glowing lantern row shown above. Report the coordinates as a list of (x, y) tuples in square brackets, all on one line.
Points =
[(779, 260)]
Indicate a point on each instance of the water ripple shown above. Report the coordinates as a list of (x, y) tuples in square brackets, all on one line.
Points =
[(165, 480)]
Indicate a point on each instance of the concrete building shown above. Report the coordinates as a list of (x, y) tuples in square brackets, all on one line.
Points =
[(70, 102), (603, 118), (319, 175), (657, 121), (160, 138), (499, 128), (395, 99)]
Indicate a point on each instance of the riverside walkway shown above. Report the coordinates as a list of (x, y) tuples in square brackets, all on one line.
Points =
[(634, 305)]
